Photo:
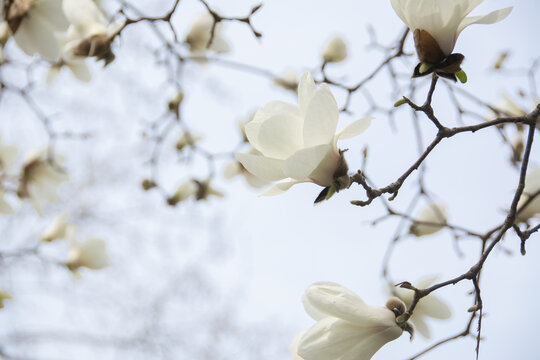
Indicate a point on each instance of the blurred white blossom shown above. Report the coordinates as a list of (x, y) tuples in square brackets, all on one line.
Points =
[(5, 207), (288, 80), (429, 220), (187, 139), (443, 20), (8, 155), (532, 187), (41, 179), (336, 50), (298, 143), (90, 253), (57, 229), (35, 25), (4, 295), (428, 307), (346, 328), (199, 36)]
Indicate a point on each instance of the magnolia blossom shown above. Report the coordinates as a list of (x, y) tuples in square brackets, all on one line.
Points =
[(428, 307), (4, 295), (429, 220), (41, 179), (199, 35), (58, 229), (35, 24), (200, 189), (89, 34), (90, 253), (443, 20), (335, 51), (346, 327), (8, 155), (288, 80), (235, 168), (298, 143), (532, 188), (187, 139)]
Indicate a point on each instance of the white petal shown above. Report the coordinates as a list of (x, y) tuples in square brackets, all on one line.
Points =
[(278, 137), (37, 36), (491, 18), (51, 11), (354, 129), (219, 45), (420, 325), (321, 118), (306, 88), (303, 162), (5, 207), (273, 108), (434, 307), (262, 167), (281, 187), (84, 14), (80, 70)]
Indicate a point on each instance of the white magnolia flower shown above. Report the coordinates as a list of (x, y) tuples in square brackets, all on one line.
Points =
[(428, 307), (346, 328), (235, 168), (90, 33), (35, 24), (336, 50), (90, 253), (288, 80), (429, 220), (8, 155), (532, 187), (199, 35), (41, 179), (443, 20), (5, 207), (4, 295), (58, 229), (298, 143)]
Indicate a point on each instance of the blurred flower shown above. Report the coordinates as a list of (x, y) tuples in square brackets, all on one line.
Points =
[(235, 168), (5, 207), (298, 142), (183, 192), (335, 51), (242, 125), (509, 107), (8, 155), (428, 307), (90, 33), (4, 295), (205, 189), (287, 81), (431, 219), (40, 179), (187, 139), (34, 24), (532, 187), (346, 327), (4, 33), (78, 68), (90, 253), (175, 102), (200, 33), (57, 229), (436, 25)]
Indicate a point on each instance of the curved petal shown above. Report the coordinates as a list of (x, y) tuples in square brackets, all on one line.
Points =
[(491, 18), (83, 14), (274, 108), (80, 70), (51, 11), (281, 187), (36, 36), (321, 118), (262, 167), (434, 307), (306, 88), (353, 129), (278, 137), (420, 326), (303, 162)]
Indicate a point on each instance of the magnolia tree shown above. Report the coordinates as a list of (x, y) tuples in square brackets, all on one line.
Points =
[(68, 207)]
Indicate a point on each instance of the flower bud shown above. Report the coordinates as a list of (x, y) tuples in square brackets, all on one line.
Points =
[(336, 50)]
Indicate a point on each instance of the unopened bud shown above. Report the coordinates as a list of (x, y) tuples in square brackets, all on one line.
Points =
[(400, 102), (335, 51), (472, 308), (461, 76)]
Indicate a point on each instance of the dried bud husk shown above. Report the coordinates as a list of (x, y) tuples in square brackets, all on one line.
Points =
[(98, 46), (148, 184), (500, 60), (174, 103)]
